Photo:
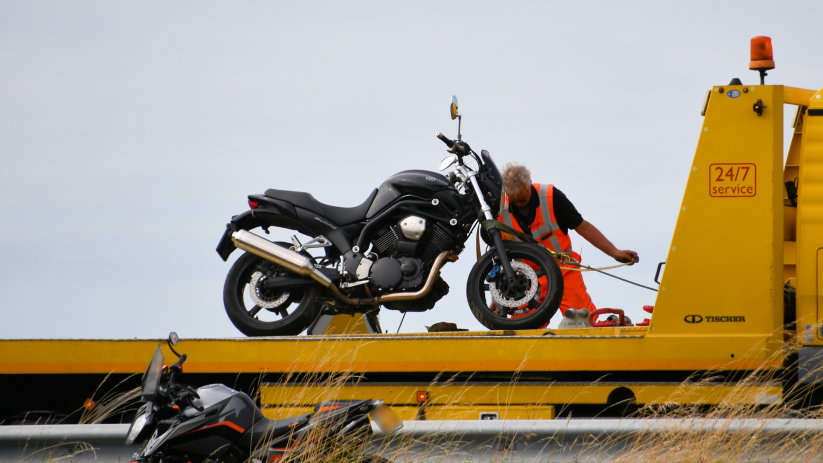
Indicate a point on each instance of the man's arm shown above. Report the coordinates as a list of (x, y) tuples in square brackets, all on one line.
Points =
[(595, 237)]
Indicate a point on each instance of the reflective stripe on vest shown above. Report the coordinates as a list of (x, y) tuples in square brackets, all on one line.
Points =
[(549, 225)]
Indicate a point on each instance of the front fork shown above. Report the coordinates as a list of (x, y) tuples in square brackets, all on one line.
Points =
[(497, 237), (508, 271)]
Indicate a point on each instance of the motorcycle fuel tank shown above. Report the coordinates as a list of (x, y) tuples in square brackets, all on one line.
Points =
[(420, 183)]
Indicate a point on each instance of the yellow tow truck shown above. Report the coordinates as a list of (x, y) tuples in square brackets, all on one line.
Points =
[(738, 317)]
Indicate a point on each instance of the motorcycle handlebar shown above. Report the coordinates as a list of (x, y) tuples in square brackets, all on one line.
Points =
[(175, 370), (458, 147), (445, 140), (180, 361)]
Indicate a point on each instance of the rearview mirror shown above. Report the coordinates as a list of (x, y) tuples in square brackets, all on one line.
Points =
[(172, 341), (454, 113)]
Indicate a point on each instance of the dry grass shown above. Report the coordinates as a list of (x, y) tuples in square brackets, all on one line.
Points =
[(712, 436), (58, 453), (709, 432), (110, 403), (315, 444)]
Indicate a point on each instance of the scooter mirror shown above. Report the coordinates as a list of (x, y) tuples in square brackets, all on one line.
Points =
[(448, 161), (453, 108)]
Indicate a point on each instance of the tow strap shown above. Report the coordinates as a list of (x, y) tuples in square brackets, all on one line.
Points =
[(565, 261)]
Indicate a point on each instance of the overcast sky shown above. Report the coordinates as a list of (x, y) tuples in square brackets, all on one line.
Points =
[(130, 133)]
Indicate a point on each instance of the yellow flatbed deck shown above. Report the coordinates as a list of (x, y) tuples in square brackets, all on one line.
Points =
[(596, 349), (464, 375)]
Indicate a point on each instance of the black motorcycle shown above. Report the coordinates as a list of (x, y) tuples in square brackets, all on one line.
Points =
[(214, 423), (388, 252)]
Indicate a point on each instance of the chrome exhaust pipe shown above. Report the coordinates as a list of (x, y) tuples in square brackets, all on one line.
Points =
[(302, 265), (435, 270), (289, 259)]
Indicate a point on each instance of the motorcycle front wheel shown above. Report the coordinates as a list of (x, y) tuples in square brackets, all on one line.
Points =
[(528, 302), (259, 310)]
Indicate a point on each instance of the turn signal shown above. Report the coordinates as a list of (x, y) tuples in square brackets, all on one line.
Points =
[(422, 397), (89, 404), (762, 57)]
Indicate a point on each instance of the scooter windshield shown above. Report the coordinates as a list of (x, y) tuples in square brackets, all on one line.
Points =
[(151, 378)]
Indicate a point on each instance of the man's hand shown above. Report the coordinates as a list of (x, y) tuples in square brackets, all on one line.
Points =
[(593, 236), (626, 256)]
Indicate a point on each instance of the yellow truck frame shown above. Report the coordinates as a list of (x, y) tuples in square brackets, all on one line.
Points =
[(738, 317)]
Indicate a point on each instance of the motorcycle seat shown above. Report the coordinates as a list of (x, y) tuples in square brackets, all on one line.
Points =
[(277, 428), (338, 215)]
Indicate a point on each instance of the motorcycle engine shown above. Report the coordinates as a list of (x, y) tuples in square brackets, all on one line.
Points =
[(399, 243), (400, 273), (401, 254)]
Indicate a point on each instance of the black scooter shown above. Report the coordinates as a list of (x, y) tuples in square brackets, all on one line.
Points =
[(215, 423)]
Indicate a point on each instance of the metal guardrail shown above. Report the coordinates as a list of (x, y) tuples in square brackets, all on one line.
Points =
[(478, 441), (65, 443), (582, 440)]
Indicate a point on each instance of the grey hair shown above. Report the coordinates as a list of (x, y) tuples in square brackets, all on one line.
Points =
[(515, 176)]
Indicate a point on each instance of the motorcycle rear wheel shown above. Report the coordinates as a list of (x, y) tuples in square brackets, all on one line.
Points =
[(531, 304), (257, 311)]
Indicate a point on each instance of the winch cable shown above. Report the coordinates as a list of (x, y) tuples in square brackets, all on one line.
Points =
[(566, 261), (586, 268)]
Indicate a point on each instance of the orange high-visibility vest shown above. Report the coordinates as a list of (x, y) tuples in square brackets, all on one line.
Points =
[(544, 228)]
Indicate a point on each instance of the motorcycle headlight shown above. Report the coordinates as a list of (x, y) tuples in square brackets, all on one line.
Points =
[(136, 426)]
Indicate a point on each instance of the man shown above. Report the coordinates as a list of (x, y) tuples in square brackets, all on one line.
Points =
[(544, 212)]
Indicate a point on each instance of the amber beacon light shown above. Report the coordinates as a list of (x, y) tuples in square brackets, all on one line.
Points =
[(762, 57)]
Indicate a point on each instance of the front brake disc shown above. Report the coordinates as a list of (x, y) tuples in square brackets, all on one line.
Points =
[(522, 270)]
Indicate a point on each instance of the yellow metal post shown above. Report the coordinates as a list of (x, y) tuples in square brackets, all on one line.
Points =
[(345, 323), (810, 225), (724, 270)]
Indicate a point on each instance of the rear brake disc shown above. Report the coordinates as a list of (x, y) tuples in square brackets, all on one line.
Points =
[(265, 298)]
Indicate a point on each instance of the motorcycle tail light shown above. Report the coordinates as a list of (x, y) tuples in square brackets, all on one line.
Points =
[(253, 204)]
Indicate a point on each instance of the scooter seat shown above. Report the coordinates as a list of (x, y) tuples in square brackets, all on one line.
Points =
[(338, 215)]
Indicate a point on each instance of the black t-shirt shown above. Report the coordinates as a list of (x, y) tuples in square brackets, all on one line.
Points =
[(564, 211)]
